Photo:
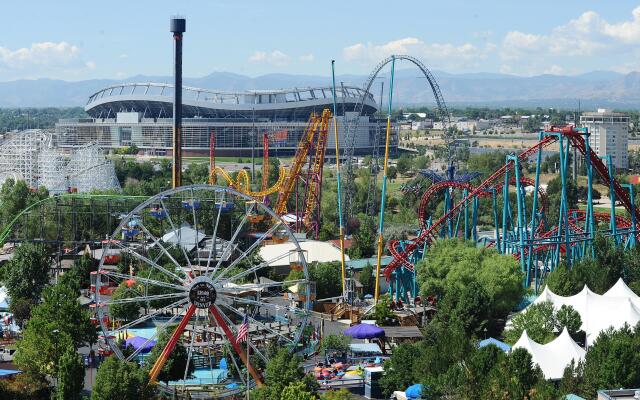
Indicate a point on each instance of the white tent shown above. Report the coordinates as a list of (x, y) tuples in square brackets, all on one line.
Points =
[(620, 289), (4, 298), (598, 312), (553, 357), (185, 236)]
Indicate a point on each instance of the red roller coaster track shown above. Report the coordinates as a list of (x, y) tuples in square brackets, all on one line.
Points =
[(427, 233)]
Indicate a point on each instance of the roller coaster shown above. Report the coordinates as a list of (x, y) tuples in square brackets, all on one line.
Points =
[(521, 228), (311, 150)]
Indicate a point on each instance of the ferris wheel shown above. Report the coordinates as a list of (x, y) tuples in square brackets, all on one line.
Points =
[(190, 264)]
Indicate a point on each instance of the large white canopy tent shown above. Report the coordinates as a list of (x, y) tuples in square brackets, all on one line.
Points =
[(553, 357), (617, 307)]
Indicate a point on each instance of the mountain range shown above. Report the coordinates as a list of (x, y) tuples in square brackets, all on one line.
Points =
[(593, 89)]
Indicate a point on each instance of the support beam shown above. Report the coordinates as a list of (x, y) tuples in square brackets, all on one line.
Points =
[(232, 340), (173, 340)]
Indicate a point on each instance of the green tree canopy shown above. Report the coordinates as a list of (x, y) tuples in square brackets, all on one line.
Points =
[(127, 311), (542, 322), (612, 361), (328, 279), (176, 365), (454, 264), (70, 378), (122, 380), (32, 261), (336, 342), (57, 323), (282, 370)]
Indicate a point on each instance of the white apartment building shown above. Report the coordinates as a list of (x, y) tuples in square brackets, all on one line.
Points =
[(609, 135)]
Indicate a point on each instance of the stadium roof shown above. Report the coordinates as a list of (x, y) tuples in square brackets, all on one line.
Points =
[(155, 100)]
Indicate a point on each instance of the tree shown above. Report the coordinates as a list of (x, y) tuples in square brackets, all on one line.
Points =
[(335, 342), (297, 391), (404, 164), (342, 394), (25, 386), (468, 306), (392, 172), (367, 279), (56, 324), (122, 380), (399, 369), (27, 273), (453, 264), (70, 379), (176, 365), (382, 312), (282, 370), (364, 239), (611, 360), (514, 377), (568, 317), (538, 320), (127, 311), (327, 278)]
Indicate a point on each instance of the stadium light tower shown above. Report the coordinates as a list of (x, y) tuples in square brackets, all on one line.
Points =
[(177, 27)]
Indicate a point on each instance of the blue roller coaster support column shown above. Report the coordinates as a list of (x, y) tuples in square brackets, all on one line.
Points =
[(521, 221), (590, 222), (563, 218), (494, 201), (474, 220), (384, 180), (612, 198), (337, 144), (535, 218), (631, 240), (505, 211)]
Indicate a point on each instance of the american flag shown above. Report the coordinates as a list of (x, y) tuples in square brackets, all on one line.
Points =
[(243, 330)]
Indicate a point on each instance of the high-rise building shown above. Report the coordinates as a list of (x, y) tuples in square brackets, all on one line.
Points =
[(609, 132)]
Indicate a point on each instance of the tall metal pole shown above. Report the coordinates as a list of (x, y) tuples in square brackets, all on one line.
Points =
[(337, 143), (384, 181), (177, 26)]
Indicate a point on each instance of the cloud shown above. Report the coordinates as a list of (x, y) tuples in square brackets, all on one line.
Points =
[(307, 57), (436, 53), (587, 35), (90, 64), (555, 70), (276, 57), (39, 54)]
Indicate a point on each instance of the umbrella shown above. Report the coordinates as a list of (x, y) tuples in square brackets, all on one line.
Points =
[(138, 342), (501, 345), (223, 364), (232, 386), (414, 391), (365, 331)]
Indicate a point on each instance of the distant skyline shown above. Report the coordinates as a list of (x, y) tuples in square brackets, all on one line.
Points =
[(75, 40)]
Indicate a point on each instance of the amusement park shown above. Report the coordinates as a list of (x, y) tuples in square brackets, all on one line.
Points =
[(311, 243)]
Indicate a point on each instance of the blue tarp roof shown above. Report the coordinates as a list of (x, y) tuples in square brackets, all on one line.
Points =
[(501, 345), (362, 262), (9, 372), (365, 348)]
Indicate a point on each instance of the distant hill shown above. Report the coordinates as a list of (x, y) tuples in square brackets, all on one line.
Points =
[(597, 88)]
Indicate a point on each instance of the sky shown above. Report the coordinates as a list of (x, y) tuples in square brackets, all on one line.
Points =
[(77, 40)]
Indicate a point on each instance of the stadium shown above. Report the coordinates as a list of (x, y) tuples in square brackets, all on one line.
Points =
[(140, 114)]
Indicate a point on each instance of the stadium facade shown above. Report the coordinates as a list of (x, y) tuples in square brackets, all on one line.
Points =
[(140, 114)]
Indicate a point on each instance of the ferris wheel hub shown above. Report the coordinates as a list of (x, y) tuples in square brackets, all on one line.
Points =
[(202, 292)]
